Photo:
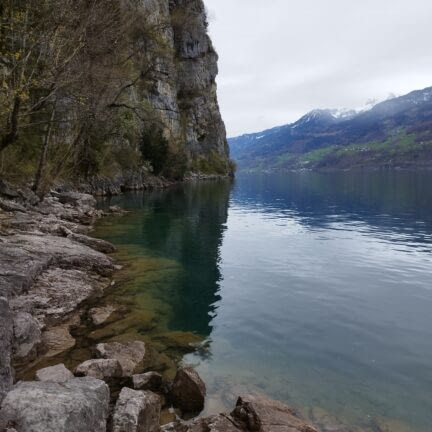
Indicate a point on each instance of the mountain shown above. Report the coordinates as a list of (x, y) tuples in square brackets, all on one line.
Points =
[(393, 133)]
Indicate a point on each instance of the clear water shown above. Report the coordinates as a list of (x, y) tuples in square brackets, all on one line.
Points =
[(313, 288)]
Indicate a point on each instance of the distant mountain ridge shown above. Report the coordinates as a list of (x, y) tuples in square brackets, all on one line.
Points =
[(395, 133)]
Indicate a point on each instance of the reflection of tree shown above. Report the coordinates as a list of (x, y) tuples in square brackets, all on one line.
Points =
[(187, 224)]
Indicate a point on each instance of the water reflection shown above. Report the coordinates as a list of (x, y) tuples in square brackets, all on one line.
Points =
[(185, 225), (314, 288)]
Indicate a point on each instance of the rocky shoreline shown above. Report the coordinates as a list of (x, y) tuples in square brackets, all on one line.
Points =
[(49, 268)]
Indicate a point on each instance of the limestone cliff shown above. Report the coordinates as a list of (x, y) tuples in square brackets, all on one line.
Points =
[(184, 92)]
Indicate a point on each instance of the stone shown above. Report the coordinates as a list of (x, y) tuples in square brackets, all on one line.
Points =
[(11, 206), (131, 355), (258, 413), (58, 340), (81, 404), (188, 391), (6, 335), (101, 315), (100, 368), (76, 199), (7, 190), (96, 244), (148, 381), (57, 374), (27, 337), (136, 411), (24, 257), (57, 292)]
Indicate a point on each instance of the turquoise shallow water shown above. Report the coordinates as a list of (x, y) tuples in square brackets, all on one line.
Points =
[(313, 288)]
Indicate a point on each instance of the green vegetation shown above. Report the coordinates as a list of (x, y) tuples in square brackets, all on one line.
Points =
[(401, 148)]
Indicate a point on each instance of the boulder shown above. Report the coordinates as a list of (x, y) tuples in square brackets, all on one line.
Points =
[(81, 404), (7, 190), (148, 381), (101, 369), (136, 411), (259, 413), (94, 243), (101, 315), (57, 292), (6, 335), (76, 199), (58, 340), (131, 355), (188, 391), (56, 374), (27, 337), (11, 206)]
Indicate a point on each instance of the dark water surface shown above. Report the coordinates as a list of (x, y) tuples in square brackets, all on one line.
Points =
[(313, 288)]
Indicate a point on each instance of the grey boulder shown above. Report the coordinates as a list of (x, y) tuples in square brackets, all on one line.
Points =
[(57, 374), (148, 381), (27, 337), (131, 355), (100, 369), (77, 405), (137, 411)]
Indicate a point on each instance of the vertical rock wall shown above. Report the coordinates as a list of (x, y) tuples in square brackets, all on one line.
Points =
[(184, 93)]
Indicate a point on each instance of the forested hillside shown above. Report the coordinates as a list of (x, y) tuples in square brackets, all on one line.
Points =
[(107, 87), (393, 133)]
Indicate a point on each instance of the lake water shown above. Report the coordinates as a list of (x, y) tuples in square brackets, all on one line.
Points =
[(313, 288)]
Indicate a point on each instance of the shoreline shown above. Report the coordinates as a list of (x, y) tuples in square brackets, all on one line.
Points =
[(51, 269)]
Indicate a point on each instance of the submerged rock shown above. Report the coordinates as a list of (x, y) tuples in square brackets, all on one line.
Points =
[(58, 340), (259, 413), (56, 374), (148, 381), (136, 411), (100, 368), (77, 405), (101, 315), (188, 391), (252, 414), (131, 355)]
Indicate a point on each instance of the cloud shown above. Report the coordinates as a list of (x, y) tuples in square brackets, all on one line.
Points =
[(282, 58)]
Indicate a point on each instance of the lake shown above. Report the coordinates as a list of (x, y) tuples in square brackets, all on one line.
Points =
[(314, 288)]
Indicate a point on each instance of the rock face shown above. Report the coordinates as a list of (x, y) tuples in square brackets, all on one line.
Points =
[(27, 337), (56, 374), (130, 355), (136, 411), (6, 335), (188, 391), (76, 405)]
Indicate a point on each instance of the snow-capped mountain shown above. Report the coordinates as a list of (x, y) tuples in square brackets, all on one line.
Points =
[(323, 128)]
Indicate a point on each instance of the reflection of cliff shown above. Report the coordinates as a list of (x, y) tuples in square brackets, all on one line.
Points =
[(187, 225), (394, 201)]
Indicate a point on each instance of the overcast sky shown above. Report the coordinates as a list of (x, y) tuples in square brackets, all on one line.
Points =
[(281, 58)]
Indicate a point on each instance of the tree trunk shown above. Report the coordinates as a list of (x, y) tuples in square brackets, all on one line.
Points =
[(44, 155), (12, 135)]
